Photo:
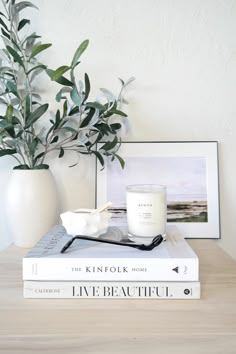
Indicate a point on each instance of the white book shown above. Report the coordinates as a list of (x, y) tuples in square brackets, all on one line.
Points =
[(111, 290), (172, 260)]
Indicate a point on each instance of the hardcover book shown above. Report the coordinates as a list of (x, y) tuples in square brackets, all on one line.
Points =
[(111, 290), (172, 260)]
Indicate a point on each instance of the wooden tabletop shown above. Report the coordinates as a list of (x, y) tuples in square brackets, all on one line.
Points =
[(122, 326)]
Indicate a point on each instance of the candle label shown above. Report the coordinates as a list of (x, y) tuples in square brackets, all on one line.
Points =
[(146, 213)]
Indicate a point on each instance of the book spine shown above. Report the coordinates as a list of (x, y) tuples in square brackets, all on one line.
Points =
[(112, 290), (111, 269)]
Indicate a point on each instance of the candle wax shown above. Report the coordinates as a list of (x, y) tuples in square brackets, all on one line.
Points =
[(146, 213)]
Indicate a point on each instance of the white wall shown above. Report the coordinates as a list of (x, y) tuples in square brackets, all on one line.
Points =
[(183, 55)]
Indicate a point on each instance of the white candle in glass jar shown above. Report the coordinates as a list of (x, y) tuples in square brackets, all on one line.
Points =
[(146, 210)]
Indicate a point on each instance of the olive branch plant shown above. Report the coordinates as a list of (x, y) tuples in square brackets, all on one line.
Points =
[(78, 126)]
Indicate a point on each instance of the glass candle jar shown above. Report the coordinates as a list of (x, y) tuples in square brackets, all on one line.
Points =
[(146, 211)]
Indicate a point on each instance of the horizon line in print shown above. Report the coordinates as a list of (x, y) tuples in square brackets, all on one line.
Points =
[(184, 177)]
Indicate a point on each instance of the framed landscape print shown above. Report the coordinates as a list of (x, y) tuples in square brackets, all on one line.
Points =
[(189, 170)]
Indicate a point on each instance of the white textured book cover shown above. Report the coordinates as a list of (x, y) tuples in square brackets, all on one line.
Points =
[(172, 260), (111, 290)]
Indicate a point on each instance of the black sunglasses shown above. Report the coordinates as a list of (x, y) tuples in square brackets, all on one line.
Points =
[(155, 242)]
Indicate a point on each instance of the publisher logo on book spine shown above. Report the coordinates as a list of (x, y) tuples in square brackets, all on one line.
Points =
[(178, 269)]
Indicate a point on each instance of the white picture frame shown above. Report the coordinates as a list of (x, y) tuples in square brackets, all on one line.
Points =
[(188, 169)]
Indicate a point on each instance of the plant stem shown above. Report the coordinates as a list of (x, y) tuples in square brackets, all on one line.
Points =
[(57, 146)]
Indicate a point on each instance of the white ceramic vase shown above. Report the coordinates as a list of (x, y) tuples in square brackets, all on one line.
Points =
[(32, 206)]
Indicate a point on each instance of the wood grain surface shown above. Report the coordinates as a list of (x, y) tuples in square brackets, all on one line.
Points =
[(122, 326)]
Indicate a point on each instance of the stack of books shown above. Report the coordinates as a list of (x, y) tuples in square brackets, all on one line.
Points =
[(97, 270)]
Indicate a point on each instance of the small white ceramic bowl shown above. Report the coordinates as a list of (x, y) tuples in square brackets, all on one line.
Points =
[(86, 222)]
